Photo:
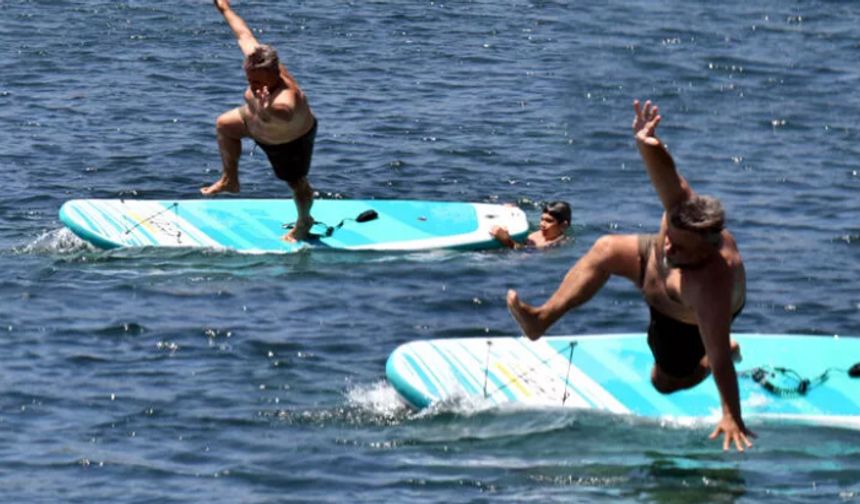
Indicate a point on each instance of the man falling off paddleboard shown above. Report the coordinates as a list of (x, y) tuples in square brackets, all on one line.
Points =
[(690, 273), (276, 115)]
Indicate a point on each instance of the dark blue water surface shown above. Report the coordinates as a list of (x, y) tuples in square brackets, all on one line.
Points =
[(165, 376)]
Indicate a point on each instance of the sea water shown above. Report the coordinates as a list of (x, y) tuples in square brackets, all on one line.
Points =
[(177, 376)]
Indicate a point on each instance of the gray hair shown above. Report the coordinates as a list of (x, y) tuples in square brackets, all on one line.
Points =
[(264, 57), (700, 214)]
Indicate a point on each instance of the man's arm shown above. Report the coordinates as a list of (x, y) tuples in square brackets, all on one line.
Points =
[(671, 187), (246, 39), (712, 303)]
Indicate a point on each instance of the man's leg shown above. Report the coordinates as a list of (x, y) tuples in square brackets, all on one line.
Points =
[(303, 195), (610, 255), (229, 128), (666, 383)]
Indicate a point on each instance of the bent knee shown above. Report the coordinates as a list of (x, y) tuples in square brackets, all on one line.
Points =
[(615, 254), (663, 386), (230, 124), (604, 247), (667, 384)]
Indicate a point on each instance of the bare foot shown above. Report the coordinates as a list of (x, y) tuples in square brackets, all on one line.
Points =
[(222, 185), (525, 315), (300, 231), (736, 352)]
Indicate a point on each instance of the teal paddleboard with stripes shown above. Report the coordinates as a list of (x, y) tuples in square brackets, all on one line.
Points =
[(258, 225), (794, 378)]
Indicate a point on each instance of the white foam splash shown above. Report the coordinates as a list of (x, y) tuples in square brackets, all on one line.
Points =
[(378, 398), (57, 241)]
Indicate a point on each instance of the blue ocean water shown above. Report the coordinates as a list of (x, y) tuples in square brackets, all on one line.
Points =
[(150, 376)]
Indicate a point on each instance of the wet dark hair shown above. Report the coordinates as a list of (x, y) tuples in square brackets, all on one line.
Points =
[(700, 214), (264, 57), (559, 210)]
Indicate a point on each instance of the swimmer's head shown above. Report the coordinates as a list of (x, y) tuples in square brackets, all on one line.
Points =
[(559, 210), (554, 219)]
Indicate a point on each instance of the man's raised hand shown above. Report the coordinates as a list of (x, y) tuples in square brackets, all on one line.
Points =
[(221, 5), (645, 122)]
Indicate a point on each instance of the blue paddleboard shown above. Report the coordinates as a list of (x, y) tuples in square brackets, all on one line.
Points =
[(257, 225), (612, 373)]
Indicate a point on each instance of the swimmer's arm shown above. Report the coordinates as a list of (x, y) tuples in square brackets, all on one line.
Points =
[(244, 35), (671, 187), (502, 236)]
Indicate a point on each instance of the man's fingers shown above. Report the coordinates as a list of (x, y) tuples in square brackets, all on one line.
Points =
[(738, 444)]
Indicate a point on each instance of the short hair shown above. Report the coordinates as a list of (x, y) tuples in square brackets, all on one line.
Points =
[(559, 210), (700, 214), (264, 57)]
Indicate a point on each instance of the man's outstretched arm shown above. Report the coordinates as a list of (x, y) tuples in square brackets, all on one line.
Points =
[(713, 311), (671, 187), (246, 39)]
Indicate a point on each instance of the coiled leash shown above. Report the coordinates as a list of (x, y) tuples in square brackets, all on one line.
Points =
[(784, 382), (365, 216)]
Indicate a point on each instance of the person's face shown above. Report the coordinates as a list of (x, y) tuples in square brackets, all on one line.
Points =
[(550, 227), (685, 249), (258, 79)]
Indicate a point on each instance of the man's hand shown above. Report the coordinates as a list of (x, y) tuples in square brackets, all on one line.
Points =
[(264, 98), (645, 123), (734, 433), (262, 104), (222, 5)]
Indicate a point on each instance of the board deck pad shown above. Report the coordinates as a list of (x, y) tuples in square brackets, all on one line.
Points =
[(612, 373), (257, 225)]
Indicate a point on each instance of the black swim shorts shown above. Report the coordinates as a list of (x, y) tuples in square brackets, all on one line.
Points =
[(292, 160)]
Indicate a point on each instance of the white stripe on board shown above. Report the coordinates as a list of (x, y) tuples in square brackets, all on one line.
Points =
[(109, 227), (579, 380), (163, 222), (435, 369), (545, 383)]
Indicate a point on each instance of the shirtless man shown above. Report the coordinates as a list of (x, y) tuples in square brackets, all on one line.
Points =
[(276, 115), (554, 221), (690, 274)]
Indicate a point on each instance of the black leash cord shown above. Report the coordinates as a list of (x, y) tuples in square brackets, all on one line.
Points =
[(765, 376), (365, 216)]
